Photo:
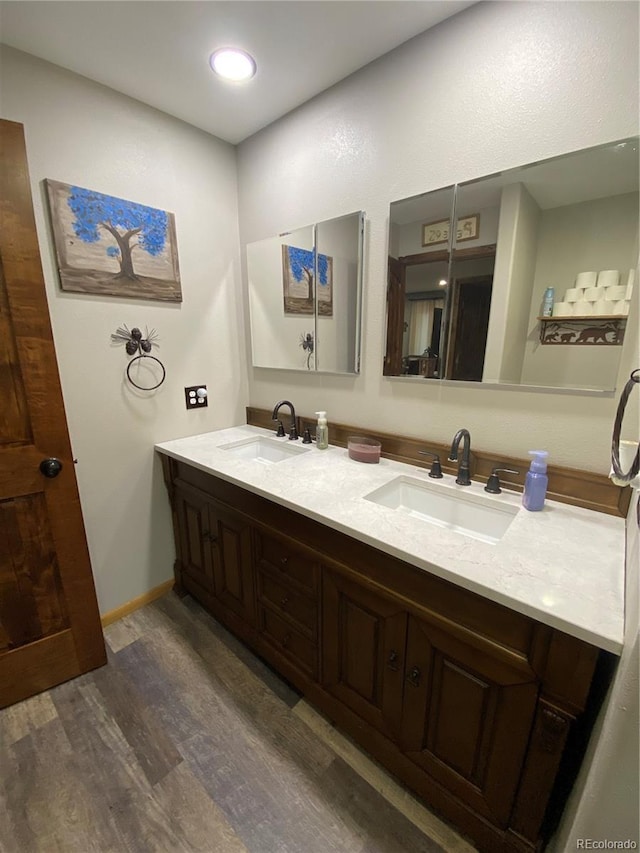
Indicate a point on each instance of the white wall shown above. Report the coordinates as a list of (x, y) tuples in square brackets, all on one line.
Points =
[(595, 235), (275, 336), (604, 801), (519, 287), (335, 336), (512, 283), (82, 133), (497, 86)]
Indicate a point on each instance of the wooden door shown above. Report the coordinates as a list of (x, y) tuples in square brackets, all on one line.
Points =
[(232, 562), (49, 622), (469, 328), (468, 712), (364, 635), (395, 317)]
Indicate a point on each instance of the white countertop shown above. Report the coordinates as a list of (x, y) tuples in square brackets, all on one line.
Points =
[(563, 566)]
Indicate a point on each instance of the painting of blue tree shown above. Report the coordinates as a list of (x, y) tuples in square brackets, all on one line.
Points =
[(111, 246), (298, 281)]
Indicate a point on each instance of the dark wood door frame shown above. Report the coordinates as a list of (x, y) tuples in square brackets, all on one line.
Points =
[(396, 288)]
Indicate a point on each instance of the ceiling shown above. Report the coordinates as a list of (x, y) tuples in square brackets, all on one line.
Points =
[(157, 52)]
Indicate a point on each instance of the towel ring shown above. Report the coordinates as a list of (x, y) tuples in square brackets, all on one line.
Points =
[(142, 387), (634, 379)]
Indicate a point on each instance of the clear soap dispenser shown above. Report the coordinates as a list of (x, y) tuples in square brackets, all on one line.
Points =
[(535, 484), (322, 431)]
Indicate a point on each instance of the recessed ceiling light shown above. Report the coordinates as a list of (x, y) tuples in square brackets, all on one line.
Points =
[(232, 64), (443, 282)]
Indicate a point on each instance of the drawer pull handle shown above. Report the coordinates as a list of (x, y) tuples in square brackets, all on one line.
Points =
[(392, 663), (286, 640), (284, 601), (414, 676), (209, 537)]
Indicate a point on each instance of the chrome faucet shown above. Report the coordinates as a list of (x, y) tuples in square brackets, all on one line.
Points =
[(463, 478), (293, 432)]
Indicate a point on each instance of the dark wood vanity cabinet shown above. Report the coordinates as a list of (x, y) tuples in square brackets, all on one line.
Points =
[(465, 700), (457, 706), (287, 587), (363, 651), (215, 557)]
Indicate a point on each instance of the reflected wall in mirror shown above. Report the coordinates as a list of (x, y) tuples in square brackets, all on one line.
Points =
[(571, 224), (305, 297)]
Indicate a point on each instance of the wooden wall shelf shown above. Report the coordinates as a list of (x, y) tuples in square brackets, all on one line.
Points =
[(606, 330)]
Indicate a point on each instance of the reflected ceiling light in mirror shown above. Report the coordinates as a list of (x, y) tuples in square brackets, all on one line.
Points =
[(232, 64), (443, 282)]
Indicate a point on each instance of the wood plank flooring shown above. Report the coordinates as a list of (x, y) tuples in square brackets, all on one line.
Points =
[(187, 742)]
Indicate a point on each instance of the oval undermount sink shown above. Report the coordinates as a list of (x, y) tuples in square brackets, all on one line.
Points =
[(262, 449), (469, 514)]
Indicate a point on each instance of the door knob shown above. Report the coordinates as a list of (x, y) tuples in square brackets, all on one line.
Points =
[(50, 467)]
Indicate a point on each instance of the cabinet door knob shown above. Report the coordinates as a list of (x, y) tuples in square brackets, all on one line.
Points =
[(392, 663), (286, 640), (284, 561), (284, 601), (414, 676)]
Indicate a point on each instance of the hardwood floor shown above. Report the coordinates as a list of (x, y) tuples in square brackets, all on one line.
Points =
[(188, 742)]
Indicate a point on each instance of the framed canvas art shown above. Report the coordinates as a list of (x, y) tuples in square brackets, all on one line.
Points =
[(109, 246)]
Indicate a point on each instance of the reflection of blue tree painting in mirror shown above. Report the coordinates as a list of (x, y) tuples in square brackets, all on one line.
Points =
[(111, 246), (297, 268)]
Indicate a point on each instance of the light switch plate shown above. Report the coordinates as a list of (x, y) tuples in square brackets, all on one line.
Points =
[(191, 398)]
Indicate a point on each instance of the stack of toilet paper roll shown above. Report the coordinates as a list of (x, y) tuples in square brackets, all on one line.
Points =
[(597, 294)]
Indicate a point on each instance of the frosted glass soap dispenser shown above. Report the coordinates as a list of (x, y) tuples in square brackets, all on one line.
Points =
[(322, 431), (535, 484)]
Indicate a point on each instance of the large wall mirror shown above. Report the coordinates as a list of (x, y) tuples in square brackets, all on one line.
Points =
[(470, 265), (305, 297)]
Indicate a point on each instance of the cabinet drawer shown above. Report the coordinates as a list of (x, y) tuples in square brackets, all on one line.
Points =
[(289, 642), (294, 605), (292, 563)]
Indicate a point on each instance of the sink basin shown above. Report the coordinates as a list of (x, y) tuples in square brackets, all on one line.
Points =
[(263, 449), (472, 515)]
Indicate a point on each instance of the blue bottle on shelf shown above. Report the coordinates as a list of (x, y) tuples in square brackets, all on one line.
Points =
[(535, 483)]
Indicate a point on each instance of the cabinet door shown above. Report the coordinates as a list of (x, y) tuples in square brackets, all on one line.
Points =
[(467, 714), (193, 545), (364, 635), (230, 538)]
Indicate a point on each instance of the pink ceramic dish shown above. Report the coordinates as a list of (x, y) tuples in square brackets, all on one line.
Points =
[(363, 449)]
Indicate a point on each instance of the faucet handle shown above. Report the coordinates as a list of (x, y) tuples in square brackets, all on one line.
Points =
[(493, 483), (436, 468), (280, 430), (293, 433)]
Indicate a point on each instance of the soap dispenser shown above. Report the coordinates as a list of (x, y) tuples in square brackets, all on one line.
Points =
[(322, 431), (535, 484)]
